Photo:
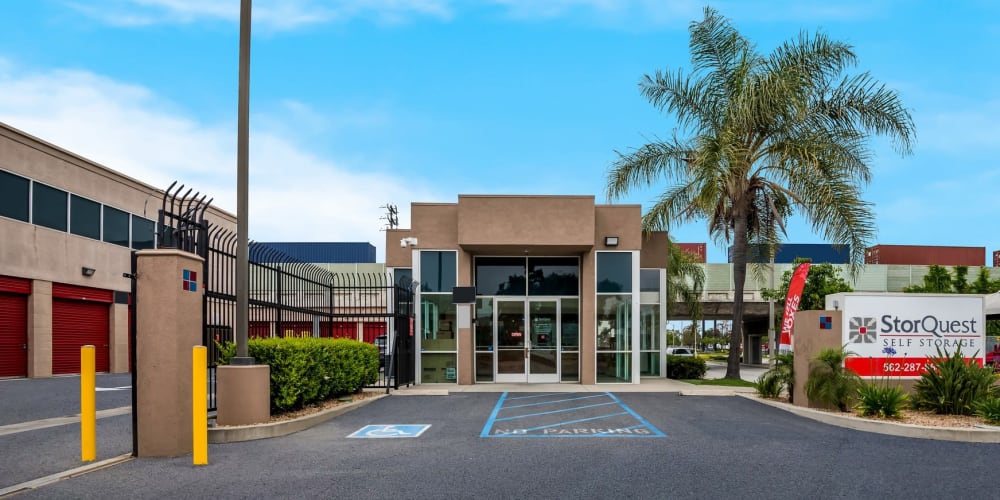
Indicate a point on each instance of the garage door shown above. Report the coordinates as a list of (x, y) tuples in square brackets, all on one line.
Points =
[(80, 316), (13, 335), (14, 326)]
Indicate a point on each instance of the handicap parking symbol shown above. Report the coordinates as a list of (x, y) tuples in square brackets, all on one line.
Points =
[(390, 431)]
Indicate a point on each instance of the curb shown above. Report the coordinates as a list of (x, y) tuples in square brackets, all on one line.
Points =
[(960, 434), (238, 433), (53, 478)]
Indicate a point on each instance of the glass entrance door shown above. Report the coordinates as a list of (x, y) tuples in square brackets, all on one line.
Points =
[(527, 334)]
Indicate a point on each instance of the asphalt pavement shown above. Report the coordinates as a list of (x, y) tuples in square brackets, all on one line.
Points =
[(710, 447)]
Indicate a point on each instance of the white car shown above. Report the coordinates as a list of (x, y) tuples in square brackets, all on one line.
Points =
[(680, 351)]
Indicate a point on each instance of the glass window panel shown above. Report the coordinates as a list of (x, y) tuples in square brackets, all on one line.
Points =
[(115, 226), (649, 280), (614, 322), (649, 333), (500, 276), (570, 367), (143, 233), (438, 326), (649, 363), (403, 276), (438, 369), (484, 324), (48, 207), (14, 196), (614, 272), (570, 324), (614, 367), (484, 367), (84, 217), (437, 271), (554, 276)]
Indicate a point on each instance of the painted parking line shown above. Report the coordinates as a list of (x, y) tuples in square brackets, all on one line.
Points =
[(565, 415)]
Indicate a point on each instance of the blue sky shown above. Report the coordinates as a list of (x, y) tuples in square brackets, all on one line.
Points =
[(355, 104)]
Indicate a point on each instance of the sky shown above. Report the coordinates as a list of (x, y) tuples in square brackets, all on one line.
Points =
[(356, 104)]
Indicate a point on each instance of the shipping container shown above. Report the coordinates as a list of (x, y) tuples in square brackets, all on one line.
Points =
[(696, 250), (786, 253), (925, 255), (326, 252)]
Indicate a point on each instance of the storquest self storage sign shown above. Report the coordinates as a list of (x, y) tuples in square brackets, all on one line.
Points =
[(894, 334)]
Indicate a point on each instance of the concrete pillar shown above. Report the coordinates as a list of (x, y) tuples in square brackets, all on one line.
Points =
[(808, 340), (40, 329), (243, 394), (464, 342), (168, 325), (119, 338), (588, 326)]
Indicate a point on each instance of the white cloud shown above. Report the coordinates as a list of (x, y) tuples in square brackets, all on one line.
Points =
[(295, 194), (272, 15)]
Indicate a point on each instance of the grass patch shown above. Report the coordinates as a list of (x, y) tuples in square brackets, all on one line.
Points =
[(726, 382)]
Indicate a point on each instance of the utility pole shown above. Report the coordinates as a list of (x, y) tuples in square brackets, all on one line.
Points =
[(242, 188), (770, 317), (391, 216)]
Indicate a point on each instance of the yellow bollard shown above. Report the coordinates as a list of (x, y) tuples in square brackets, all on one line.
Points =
[(88, 405), (199, 405)]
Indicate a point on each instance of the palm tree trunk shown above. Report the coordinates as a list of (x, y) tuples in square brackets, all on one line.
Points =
[(739, 280)]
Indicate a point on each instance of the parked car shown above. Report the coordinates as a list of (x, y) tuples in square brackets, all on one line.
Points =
[(380, 341), (680, 351)]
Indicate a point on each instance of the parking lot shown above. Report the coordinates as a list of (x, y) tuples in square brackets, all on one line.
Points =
[(709, 447)]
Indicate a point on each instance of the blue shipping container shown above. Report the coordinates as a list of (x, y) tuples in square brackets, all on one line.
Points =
[(327, 252), (786, 253)]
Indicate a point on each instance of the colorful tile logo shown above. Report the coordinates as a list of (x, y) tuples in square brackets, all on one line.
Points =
[(826, 322), (862, 330), (190, 282)]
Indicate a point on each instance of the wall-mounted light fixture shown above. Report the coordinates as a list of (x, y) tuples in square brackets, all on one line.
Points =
[(87, 271), (611, 241), (409, 241)]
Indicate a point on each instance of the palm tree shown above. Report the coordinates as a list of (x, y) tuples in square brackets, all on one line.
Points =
[(685, 282), (769, 135)]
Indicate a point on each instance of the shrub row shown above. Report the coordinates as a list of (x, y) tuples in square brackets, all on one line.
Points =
[(308, 370), (685, 367)]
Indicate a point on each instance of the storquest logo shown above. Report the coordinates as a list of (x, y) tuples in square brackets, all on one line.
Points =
[(862, 330)]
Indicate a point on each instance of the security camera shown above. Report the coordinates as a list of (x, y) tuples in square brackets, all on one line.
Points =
[(402, 243)]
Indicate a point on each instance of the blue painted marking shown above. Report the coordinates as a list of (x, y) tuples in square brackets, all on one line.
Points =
[(543, 395), (563, 429), (493, 416), (637, 417), (552, 412), (554, 401), (390, 431)]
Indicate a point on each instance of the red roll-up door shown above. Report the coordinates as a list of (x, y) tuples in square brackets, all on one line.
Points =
[(372, 330), (76, 323), (344, 330), (259, 329), (296, 329), (13, 335)]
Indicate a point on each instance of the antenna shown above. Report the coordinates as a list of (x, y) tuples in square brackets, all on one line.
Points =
[(391, 216)]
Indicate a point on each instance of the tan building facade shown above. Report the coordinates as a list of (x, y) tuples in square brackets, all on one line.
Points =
[(562, 290), (68, 228)]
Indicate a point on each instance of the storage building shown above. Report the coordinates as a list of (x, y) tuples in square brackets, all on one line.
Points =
[(925, 255)]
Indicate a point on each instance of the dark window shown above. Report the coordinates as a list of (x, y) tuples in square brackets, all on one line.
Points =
[(115, 226), (649, 280), (553, 276), (84, 217), (500, 276), (403, 277), (142, 233), (48, 207), (614, 272), (14, 196), (437, 271)]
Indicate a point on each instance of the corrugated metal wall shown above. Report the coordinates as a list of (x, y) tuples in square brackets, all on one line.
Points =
[(327, 252)]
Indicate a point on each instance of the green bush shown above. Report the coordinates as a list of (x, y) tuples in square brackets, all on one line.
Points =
[(781, 377), (308, 370), (829, 382), (950, 385), (768, 386), (685, 367), (881, 400), (989, 409)]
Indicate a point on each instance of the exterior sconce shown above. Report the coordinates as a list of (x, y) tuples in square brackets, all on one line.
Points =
[(611, 241), (87, 271)]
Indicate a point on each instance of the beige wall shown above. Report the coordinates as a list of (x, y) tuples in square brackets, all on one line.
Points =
[(654, 250), (809, 340), (525, 221), (49, 256), (622, 221)]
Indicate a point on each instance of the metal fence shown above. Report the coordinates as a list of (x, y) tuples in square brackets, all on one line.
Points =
[(288, 297)]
